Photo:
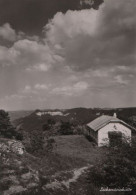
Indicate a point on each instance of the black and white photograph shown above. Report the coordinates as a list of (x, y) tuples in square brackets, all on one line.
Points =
[(67, 97)]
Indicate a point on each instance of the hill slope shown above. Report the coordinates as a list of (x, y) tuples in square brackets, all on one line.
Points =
[(18, 114)]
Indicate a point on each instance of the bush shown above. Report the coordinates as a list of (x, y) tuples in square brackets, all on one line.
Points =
[(117, 170), (66, 128)]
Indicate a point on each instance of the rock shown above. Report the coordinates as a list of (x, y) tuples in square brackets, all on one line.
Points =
[(7, 146), (32, 185), (26, 176), (14, 190), (16, 174)]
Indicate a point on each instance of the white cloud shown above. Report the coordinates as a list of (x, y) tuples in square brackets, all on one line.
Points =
[(28, 90), (31, 55), (90, 38), (71, 90), (65, 26), (87, 2), (123, 68), (120, 80), (7, 33), (41, 86), (39, 67), (100, 73), (8, 56), (14, 97), (42, 67)]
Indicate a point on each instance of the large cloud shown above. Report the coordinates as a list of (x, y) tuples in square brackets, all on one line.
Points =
[(90, 39), (30, 16), (78, 39), (87, 56), (31, 55)]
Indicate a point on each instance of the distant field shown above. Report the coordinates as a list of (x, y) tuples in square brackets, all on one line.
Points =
[(77, 146)]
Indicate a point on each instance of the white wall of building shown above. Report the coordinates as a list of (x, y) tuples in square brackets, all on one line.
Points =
[(103, 132)]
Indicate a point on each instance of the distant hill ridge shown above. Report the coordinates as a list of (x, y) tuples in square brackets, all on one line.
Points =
[(81, 116)]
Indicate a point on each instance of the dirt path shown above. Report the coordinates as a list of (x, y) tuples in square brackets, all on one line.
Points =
[(76, 174)]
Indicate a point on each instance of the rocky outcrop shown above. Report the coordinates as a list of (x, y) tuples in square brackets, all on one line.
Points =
[(16, 174), (9, 145)]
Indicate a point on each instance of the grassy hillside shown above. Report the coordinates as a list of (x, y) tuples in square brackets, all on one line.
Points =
[(77, 146)]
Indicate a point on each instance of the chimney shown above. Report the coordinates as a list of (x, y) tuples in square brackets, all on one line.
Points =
[(115, 115)]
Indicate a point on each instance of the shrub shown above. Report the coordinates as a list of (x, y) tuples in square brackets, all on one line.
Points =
[(117, 170), (66, 128)]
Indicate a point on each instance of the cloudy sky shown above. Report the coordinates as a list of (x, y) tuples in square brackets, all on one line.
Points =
[(67, 53)]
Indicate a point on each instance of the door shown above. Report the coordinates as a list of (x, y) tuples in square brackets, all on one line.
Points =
[(115, 138)]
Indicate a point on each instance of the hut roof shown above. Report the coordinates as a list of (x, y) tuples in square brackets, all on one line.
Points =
[(103, 120)]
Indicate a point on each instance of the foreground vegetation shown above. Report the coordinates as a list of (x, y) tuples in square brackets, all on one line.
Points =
[(117, 170), (63, 164)]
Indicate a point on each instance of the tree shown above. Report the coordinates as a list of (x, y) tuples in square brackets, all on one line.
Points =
[(6, 128), (66, 128), (47, 126), (51, 122)]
